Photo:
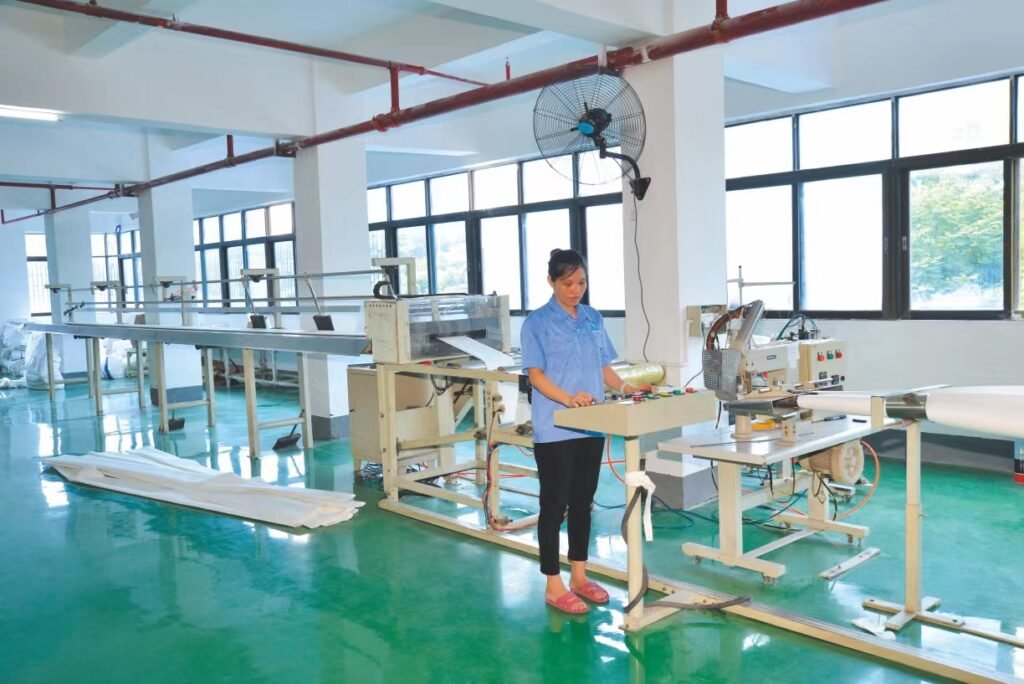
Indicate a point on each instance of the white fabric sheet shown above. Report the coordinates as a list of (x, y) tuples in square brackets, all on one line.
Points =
[(158, 475), (998, 410)]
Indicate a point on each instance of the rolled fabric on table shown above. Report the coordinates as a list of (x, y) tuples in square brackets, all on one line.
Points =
[(839, 402)]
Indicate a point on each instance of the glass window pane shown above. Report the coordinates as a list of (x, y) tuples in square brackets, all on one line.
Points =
[(196, 235), (284, 262), (38, 295), (111, 244), (956, 238), (758, 237), (955, 119), (412, 242), (128, 271), (281, 219), (846, 215), (499, 258), (545, 179), (378, 244), (450, 272), (98, 244), (35, 246), (255, 224), (99, 268), (449, 194), (211, 259), (112, 268), (211, 229), (545, 231), (408, 200), (256, 257), (377, 205), (232, 227), (199, 273), (599, 176), (846, 135), (126, 243), (497, 186), (607, 287), (758, 148), (235, 264)]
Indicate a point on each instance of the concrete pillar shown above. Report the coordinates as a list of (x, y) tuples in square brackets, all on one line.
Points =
[(165, 231), (682, 219), (14, 271), (69, 261), (331, 235)]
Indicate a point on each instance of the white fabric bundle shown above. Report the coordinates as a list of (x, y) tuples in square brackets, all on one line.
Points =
[(158, 475)]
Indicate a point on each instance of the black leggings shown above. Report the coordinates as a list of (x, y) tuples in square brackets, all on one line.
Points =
[(568, 473)]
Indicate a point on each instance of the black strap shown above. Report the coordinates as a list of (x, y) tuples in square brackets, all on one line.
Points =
[(666, 602)]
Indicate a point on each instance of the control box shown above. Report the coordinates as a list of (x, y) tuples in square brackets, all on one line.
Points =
[(822, 360)]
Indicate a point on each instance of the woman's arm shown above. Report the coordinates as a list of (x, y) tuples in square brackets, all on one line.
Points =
[(612, 379), (549, 389)]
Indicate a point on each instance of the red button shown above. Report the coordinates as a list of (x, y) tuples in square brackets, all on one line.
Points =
[(821, 357), (839, 354)]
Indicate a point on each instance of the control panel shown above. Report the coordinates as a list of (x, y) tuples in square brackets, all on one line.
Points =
[(822, 360), (641, 414)]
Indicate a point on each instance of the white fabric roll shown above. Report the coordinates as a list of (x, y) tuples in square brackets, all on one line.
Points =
[(998, 410), (158, 475), (838, 402)]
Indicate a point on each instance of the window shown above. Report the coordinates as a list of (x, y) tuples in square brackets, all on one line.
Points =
[(956, 238), (545, 231), (607, 289), (846, 135), (542, 182), (412, 242), (758, 148), (256, 238), (955, 119), (38, 274), (449, 194), (759, 238), (378, 244), (450, 272), (495, 187), (408, 200), (499, 258), (841, 254), (377, 205)]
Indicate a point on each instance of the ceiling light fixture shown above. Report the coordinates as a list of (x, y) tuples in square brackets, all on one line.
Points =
[(30, 113)]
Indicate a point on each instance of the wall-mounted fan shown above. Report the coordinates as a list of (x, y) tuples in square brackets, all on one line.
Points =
[(599, 113)]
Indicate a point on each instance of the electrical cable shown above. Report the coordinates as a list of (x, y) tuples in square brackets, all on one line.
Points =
[(639, 274)]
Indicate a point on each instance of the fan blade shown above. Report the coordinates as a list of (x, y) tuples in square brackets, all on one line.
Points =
[(996, 409)]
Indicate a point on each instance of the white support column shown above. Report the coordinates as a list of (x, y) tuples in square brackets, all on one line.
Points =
[(165, 230), (331, 235), (682, 219), (69, 261)]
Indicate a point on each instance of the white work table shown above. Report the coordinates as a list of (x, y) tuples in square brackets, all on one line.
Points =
[(765, 448)]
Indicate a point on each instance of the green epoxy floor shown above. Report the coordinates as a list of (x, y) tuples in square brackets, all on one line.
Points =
[(99, 586)]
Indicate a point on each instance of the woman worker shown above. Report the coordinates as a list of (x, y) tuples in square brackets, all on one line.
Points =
[(567, 353)]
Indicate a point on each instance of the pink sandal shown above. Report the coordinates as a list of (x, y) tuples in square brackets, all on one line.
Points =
[(568, 603), (592, 591)]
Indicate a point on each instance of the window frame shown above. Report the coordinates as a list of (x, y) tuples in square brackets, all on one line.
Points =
[(576, 206), (895, 172)]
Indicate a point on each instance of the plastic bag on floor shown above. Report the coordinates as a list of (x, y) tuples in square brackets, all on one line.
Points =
[(35, 362)]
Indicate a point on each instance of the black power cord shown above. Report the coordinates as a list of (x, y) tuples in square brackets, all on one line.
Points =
[(639, 272)]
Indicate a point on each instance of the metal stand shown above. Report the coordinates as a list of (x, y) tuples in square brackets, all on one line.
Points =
[(916, 607), (161, 392), (304, 418)]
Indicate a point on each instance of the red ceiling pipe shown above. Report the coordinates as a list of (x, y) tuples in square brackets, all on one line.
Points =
[(94, 10), (395, 106), (231, 146), (116, 192), (730, 29), (50, 186)]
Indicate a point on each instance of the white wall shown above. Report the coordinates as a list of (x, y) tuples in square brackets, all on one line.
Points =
[(14, 270)]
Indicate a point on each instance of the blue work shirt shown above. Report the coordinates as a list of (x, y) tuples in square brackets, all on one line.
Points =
[(572, 352)]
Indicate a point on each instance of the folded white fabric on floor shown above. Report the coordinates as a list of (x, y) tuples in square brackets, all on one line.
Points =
[(158, 475)]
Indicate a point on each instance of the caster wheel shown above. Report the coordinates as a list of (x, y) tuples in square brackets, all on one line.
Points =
[(849, 539), (770, 581), (697, 560)]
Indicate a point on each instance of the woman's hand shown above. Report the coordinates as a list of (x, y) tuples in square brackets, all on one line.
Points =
[(628, 388), (580, 399)]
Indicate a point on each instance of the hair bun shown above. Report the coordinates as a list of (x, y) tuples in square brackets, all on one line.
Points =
[(555, 251)]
